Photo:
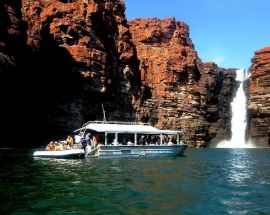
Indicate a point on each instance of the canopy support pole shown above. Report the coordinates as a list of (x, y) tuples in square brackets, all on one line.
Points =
[(135, 139), (106, 139), (116, 137)]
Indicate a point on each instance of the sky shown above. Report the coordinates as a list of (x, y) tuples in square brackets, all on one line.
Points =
[(227, 32)]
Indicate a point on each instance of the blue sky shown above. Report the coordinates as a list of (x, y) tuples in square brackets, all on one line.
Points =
[(224, 31)]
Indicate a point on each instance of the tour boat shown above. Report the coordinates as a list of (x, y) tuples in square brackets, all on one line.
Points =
[(63, 154), (103, 133)]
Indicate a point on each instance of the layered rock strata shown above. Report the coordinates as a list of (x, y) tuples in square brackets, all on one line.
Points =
[(60, 60), (83, 51), (179, 91), (259, 98), (76, 55)]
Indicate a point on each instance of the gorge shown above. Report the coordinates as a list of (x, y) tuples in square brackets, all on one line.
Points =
[(60, 60), (239, 116)]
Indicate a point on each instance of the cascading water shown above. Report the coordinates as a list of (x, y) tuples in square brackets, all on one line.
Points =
[(239, 116)]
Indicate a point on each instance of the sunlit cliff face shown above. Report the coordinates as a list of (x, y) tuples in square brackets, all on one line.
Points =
[(76, 55), (259, 97)]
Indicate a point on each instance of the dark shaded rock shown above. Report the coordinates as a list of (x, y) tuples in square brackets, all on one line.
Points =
[(84, 52), (217, 89), (77, 55)]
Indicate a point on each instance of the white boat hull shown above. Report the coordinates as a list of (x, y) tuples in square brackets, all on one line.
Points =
[(175, 150), (65, 154)]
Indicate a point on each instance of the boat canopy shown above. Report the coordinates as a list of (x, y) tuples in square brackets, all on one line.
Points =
[(124, 127)]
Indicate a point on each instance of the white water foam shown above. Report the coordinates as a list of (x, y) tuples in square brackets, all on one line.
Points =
[(239, 117)]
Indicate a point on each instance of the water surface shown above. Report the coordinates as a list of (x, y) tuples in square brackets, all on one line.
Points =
[(204, 181)]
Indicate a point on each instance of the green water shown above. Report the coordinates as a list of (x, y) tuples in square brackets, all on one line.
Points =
[(204, 181)]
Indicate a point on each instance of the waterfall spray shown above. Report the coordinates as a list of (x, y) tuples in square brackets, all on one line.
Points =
[(239, 116)]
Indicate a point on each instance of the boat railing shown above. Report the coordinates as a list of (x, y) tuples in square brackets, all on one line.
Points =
[(114, 122)]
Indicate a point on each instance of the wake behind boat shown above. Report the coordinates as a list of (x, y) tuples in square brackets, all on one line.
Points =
[(130, 139)]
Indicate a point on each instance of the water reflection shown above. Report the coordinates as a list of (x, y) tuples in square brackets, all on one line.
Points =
[(239, 166), (239, 173), (206, 181)]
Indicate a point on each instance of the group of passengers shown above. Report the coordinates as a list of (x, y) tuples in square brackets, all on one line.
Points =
[(81, 141), (61, 145), (148, 140), (94, 140), (155, 140), (91, 139)]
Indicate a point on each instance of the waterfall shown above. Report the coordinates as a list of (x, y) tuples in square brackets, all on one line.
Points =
[(239, 116)]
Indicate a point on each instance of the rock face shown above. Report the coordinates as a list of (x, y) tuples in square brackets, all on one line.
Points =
[(60, 60), (76, 55), (179, 91), (12, 48), (10, 34), (217, 89), (84, 53), (259, 98)]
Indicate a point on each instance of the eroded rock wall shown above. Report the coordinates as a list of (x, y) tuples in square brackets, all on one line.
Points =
[(84, 57), (217, 89), (259, 98), (179, 91), (12, 50), (60, 60), (11, 35), (63, 59)]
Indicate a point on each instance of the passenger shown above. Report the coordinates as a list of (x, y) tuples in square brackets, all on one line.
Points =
[(174, 140), (165, 140), (170, 143), (153, 140), (61, 147), (129, 143), (148, 140), (56, 146), (158, 142), (86, 140), (97, 137), (69, 141), (115, 142), (94, 142), (124, 140), (78, 139), (142, 140), (50, 147)]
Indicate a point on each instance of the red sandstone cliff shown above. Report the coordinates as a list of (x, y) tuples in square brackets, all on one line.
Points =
[(79, 54), (259, 98), (84, 52), (179, 91), (11, 37), (76, 56)]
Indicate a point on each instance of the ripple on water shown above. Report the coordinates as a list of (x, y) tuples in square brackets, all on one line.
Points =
[(204, 181)]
